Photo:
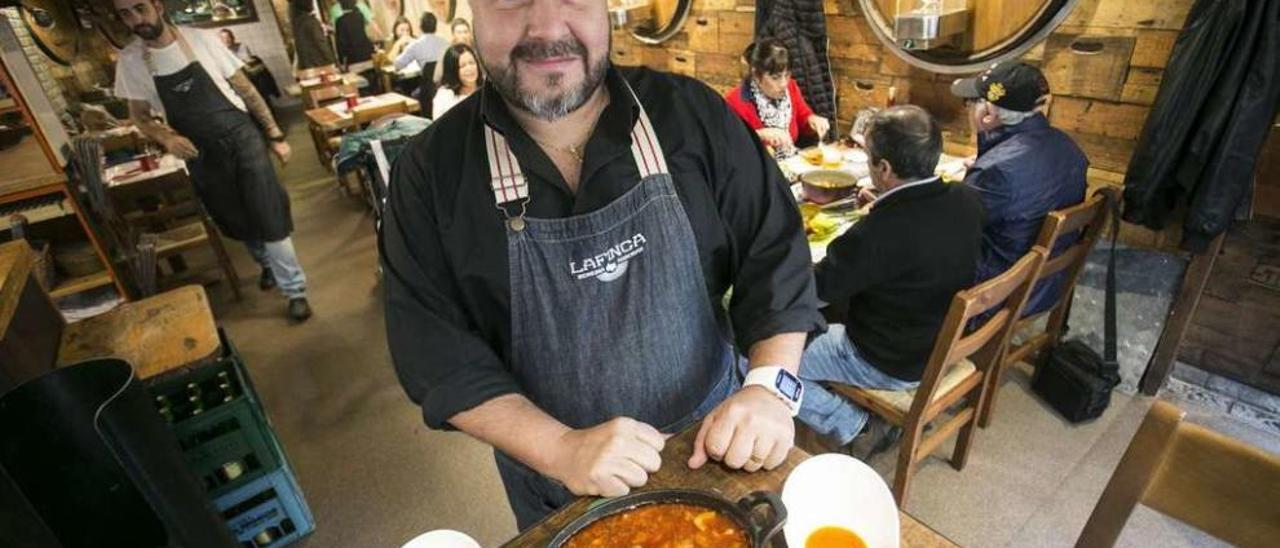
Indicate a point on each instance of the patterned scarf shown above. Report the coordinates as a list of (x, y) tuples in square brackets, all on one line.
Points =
[(774, 113)]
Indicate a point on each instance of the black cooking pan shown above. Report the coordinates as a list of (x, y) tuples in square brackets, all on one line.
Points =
[(760, 529)]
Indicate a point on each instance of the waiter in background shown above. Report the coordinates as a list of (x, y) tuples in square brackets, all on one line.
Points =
[(207, 100)]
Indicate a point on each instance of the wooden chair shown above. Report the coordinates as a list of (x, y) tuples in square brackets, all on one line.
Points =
[(1088, 219), (1214, 483), (955, 373), (362, 117), (334, 92)]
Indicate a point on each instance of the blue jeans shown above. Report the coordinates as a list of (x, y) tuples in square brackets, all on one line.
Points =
[(832, 357), (282, 261)]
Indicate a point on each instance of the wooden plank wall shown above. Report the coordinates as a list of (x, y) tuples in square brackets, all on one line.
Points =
[(1101, 99)]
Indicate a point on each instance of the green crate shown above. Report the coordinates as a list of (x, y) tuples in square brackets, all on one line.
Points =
[(184, 395), (229, 446)]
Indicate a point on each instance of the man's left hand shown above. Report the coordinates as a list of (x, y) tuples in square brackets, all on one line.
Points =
[(750, 430), (281, 150)]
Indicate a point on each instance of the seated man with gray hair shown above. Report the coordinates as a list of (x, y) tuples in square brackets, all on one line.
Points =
[(1025, 169), (896, 270)]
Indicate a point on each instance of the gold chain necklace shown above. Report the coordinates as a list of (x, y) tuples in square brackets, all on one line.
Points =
[(577, 151)]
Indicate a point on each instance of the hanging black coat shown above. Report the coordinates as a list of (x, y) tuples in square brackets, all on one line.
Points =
[(802, 26), (1210, 118)]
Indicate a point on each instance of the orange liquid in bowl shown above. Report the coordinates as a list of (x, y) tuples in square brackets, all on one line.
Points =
[(834, 537)]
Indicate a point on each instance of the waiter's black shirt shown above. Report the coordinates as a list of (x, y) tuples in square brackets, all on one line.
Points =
[(443, 242)]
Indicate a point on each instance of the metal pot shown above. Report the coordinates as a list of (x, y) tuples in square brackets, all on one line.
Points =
[(760, 529), (823, 186)]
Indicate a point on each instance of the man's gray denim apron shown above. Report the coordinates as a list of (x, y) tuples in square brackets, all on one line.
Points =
[(609, 313)]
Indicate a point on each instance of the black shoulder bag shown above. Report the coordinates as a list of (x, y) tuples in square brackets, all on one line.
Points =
[(1071, 376)]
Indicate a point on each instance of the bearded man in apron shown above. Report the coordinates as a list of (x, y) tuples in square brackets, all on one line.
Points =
[(207, 102), (557, 249)]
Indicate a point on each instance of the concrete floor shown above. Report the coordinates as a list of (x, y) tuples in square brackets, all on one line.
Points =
[(375, 476)]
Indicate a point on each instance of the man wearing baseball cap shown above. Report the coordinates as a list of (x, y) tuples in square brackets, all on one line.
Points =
[(1025, 168)]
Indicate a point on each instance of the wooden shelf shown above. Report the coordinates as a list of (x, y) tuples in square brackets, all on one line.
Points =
[(82, 283)]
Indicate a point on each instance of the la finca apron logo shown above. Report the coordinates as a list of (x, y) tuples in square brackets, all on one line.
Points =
[(183, 86), (611, 263)]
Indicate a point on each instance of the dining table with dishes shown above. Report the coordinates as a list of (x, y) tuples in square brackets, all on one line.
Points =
[(828, 181), (807, 502)]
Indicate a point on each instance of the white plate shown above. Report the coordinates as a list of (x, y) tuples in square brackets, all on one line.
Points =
[(839, 490), (442, 538)]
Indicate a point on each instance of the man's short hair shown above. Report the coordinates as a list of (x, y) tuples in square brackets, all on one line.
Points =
[(428, 23), (908, 137)]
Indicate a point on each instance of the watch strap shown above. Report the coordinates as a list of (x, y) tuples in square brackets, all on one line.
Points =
[(769, 378)]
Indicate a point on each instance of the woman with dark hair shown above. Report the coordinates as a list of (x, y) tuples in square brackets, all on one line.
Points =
[(769, 100), (460, 76), (401, 37)]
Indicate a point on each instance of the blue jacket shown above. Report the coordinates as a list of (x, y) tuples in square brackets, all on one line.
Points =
[(1023, 172)]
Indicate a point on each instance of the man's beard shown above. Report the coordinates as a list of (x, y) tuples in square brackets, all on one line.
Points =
[(507, 79), (147, 31)]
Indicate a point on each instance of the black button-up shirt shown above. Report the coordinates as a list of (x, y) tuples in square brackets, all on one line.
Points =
[(444, 243)]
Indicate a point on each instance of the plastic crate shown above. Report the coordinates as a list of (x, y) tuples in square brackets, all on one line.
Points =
[(183, 396), (267, 513), (229, 447)]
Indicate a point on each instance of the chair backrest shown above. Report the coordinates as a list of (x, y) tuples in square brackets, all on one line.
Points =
[(366, 114), (1090, 216), (1219, 485), (328, 94), (1008, 292)]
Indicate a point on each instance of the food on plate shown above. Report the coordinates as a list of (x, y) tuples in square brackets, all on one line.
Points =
[(661, 525), (820, 226), (813, 155), (834, 537), (828, 185)]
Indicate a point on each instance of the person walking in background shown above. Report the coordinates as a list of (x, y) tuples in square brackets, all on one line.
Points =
[(215, 120), (254, 68), (311, 46), (461, 77)]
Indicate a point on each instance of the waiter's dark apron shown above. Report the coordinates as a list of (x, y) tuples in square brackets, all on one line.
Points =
[(233, 175), (609, 313)]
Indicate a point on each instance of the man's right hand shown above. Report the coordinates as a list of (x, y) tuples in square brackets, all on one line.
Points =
[(609, 459), (180, 146)]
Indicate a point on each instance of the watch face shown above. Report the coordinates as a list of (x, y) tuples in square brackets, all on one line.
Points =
[(788, 385)]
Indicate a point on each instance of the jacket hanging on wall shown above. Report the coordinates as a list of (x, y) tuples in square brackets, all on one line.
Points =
[(802, 26), (1210, 118)]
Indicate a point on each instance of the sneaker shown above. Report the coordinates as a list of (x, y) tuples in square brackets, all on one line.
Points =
[(299, 310), (876, 436), (266, 280)]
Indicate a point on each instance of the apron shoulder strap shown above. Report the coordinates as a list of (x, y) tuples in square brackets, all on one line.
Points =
[(508, 181)]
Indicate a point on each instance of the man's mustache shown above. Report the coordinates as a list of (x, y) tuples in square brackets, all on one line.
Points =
[(540, 51), (146, 29)]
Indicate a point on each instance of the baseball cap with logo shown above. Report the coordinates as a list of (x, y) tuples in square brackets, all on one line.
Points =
[(1014, 86)]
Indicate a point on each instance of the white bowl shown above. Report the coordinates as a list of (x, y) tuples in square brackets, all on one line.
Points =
[(839, 490), (442, 538)]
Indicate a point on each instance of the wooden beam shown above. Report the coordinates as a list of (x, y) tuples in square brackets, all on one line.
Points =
[(1175, 326)]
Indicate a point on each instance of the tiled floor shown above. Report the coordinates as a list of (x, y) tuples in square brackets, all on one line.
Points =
[(375, 476)]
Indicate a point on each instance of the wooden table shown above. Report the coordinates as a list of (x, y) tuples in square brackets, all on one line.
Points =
[(390, 74), (336, 117), (295, 90), (172, 330), (717, 479)]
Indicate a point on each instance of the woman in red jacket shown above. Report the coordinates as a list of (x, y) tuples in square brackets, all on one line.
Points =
[(770, 101)]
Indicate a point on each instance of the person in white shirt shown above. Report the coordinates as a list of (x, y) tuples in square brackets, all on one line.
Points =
[(460, 77), (427, 48), (212, 115)]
